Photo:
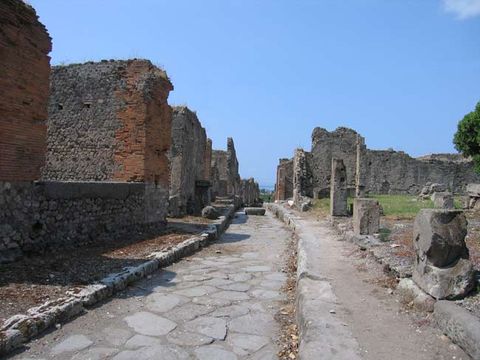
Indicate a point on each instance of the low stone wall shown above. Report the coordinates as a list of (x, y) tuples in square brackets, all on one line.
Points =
[(41, 216)]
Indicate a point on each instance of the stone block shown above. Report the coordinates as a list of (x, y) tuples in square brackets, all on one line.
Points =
[(366, 216), (442, 268), (473, 190), (209, 212), (443, 200), (254, 211)]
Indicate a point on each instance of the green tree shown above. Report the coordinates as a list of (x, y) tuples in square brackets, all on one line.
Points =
[(467, 137)]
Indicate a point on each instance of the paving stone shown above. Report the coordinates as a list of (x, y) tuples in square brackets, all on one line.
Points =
[(230, 311), (270, 284), (267, 353), (231, 295), (250, 255), (99, 353), (196, 291), (209, 301), (257, 268), (214, 353), (160, 303), (276, 276), (116, 336), (247, 342), (146, 323), (139, 341), (216, 282), (188, 312), (239, 277), (186, 338), (242, 287), (163, 352), (265, 294), (196, 277), (256, 324), (72, 343), (215, 328)]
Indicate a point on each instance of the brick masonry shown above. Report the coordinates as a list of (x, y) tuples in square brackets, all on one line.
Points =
[(109, 121), (24, 81), (225, 171)]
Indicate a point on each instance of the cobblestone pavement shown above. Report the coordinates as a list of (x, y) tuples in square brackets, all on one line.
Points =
[(217, 304)]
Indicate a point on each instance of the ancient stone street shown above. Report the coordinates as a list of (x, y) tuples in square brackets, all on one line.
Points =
[(217, 304)]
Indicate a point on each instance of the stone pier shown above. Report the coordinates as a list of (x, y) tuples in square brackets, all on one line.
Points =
[(366, 216), (338, 189)]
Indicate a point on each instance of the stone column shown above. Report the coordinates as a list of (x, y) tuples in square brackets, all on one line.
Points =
[(338, 189), (366, 216), (442, 267)]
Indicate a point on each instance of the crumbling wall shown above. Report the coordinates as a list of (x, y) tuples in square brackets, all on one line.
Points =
[(190, 156), (377, 171), (109, 121), (284, 185), (225, 171), (24, 82)]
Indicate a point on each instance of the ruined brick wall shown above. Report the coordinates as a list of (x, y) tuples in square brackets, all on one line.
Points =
[(24, 82), (284, 184), (377, 171), (225, 171), (41, 216), (190, 150), (109, 120)]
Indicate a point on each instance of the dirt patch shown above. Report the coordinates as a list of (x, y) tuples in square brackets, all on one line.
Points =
[(36, 279), (288, 339)]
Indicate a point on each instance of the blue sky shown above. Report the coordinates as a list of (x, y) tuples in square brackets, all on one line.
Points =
[(266, 72)]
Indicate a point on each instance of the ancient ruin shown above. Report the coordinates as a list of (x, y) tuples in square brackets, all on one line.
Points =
[(370, 171), (284, 184), (190, 164)]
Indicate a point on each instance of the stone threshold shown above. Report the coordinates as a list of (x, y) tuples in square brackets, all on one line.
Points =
[(19, 329)]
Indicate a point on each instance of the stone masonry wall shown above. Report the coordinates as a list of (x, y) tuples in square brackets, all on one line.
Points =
[(249, 192), (190, 150), (284, 185), (42, 216), (225, 175), (24, 81), (109, 121), (378, 171)]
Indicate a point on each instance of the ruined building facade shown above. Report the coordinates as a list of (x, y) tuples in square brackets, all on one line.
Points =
[(107, 170), (191, 156), (367, 171)]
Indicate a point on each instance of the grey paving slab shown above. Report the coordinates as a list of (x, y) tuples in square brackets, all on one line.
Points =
[(217, 304)]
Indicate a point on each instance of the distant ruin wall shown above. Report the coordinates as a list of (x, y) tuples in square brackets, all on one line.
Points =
[(24, 82), (190, 150), (225, 171), (372, 171), (42, 216), (109, 121), (249, 192), (284, 185)]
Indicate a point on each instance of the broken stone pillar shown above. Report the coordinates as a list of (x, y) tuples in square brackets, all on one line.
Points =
[(338, 189), (442, 266), (443, 200), (360, 168), (366, 216)]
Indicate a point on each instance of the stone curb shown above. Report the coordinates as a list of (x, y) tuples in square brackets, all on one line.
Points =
[(314, 302), (459, 325), (19, 329)]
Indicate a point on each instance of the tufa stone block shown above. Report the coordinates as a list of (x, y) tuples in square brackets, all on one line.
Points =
[(366, 216)]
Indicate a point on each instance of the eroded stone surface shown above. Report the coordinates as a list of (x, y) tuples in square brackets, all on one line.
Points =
[(217, 304)]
